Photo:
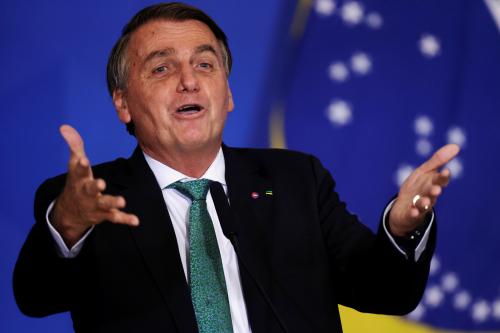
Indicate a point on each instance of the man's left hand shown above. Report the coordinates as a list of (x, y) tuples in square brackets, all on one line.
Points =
[(419, 192)]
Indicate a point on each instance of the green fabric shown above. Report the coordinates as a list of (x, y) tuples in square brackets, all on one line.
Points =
[(206, 275)]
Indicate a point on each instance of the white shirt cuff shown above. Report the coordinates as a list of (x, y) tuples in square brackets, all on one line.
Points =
[(423, 242), (61, 247)]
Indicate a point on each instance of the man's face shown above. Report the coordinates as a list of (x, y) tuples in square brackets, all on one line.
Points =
[(177, 91)]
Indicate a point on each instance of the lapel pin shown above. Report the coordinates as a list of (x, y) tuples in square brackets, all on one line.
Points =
[(254, 195), (269, 192)]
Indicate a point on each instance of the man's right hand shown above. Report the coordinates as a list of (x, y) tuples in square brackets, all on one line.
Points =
[(82, 203)]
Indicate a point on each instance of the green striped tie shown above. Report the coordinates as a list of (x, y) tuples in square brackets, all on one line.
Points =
[(206, 275)]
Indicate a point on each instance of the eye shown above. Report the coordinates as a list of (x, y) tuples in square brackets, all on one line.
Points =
[(160, 69), (205, 65)]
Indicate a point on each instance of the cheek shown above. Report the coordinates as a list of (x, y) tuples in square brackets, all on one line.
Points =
[(221, 98), (150, 101)]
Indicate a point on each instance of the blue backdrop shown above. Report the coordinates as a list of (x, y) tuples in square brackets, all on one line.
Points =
[(52, 67), (371, 87)]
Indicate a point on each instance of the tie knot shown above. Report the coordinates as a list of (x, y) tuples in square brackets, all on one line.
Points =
[(194, 189)]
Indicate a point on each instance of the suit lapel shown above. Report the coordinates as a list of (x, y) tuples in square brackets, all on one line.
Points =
[(252, 211), (155, 239)]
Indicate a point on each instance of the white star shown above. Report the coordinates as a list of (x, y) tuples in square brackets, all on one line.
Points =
[(339, 113), (325, 7), (494, 8), (480, 311), (496, 309), (402, 173), (429, 46), (418, 313), (461, 300), (456, 167), (435, 265), (352, 12), (423, 125), (361, 63), (374, 20), (338, 71), (433, 296), (456, 135), (423, 147), (449, 282)]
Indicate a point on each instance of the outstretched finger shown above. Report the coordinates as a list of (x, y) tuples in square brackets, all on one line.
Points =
[(442, 178), (435, 191), (440, 157), (74, 140), (119, 217), (80, 169), (93, 187), (79, 165), (109, 202)]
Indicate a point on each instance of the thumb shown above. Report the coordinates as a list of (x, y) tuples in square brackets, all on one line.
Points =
[(74, 140)]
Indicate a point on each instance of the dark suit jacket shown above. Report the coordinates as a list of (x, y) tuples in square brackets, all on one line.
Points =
[(301, 243)]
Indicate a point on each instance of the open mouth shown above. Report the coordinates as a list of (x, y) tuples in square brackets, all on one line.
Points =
[(190, 109)]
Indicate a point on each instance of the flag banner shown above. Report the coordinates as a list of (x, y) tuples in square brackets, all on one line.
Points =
[(374, 88)]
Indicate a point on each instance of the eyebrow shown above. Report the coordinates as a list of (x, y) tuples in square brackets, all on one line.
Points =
[(159, 54), (205, 48), (170, 51)]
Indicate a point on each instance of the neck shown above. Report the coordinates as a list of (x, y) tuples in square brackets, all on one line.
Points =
[(192, 162)]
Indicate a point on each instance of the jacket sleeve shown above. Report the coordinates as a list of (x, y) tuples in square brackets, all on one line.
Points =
[(369, 274), (42, 279)]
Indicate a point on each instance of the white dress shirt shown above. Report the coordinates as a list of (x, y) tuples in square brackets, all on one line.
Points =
[(178, 209)]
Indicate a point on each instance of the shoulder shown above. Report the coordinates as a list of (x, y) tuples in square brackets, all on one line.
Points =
[(266, 155), (269, 153), (53, 186), (275, 161), (101, 170)]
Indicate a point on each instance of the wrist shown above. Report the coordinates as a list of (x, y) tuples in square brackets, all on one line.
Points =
[(399, 231), (66, 224), (402, 228)]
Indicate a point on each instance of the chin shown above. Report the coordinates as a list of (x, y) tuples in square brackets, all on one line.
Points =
[(200, 143)]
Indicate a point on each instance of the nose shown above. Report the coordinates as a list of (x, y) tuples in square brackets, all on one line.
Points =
[(188, 82)]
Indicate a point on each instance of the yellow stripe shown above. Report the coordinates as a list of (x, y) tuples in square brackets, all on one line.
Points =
[(356, 322), (300, 17), (277, 126)]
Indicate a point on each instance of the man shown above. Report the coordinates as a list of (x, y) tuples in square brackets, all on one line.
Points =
[(119, 245)]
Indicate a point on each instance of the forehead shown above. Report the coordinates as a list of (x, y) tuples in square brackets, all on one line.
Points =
[(159, 34)]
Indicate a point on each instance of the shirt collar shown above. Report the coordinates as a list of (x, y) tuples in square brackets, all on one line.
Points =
[(166, 175)]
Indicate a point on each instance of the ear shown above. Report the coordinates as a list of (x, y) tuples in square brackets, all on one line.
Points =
[(121, 107), (230, 105)]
